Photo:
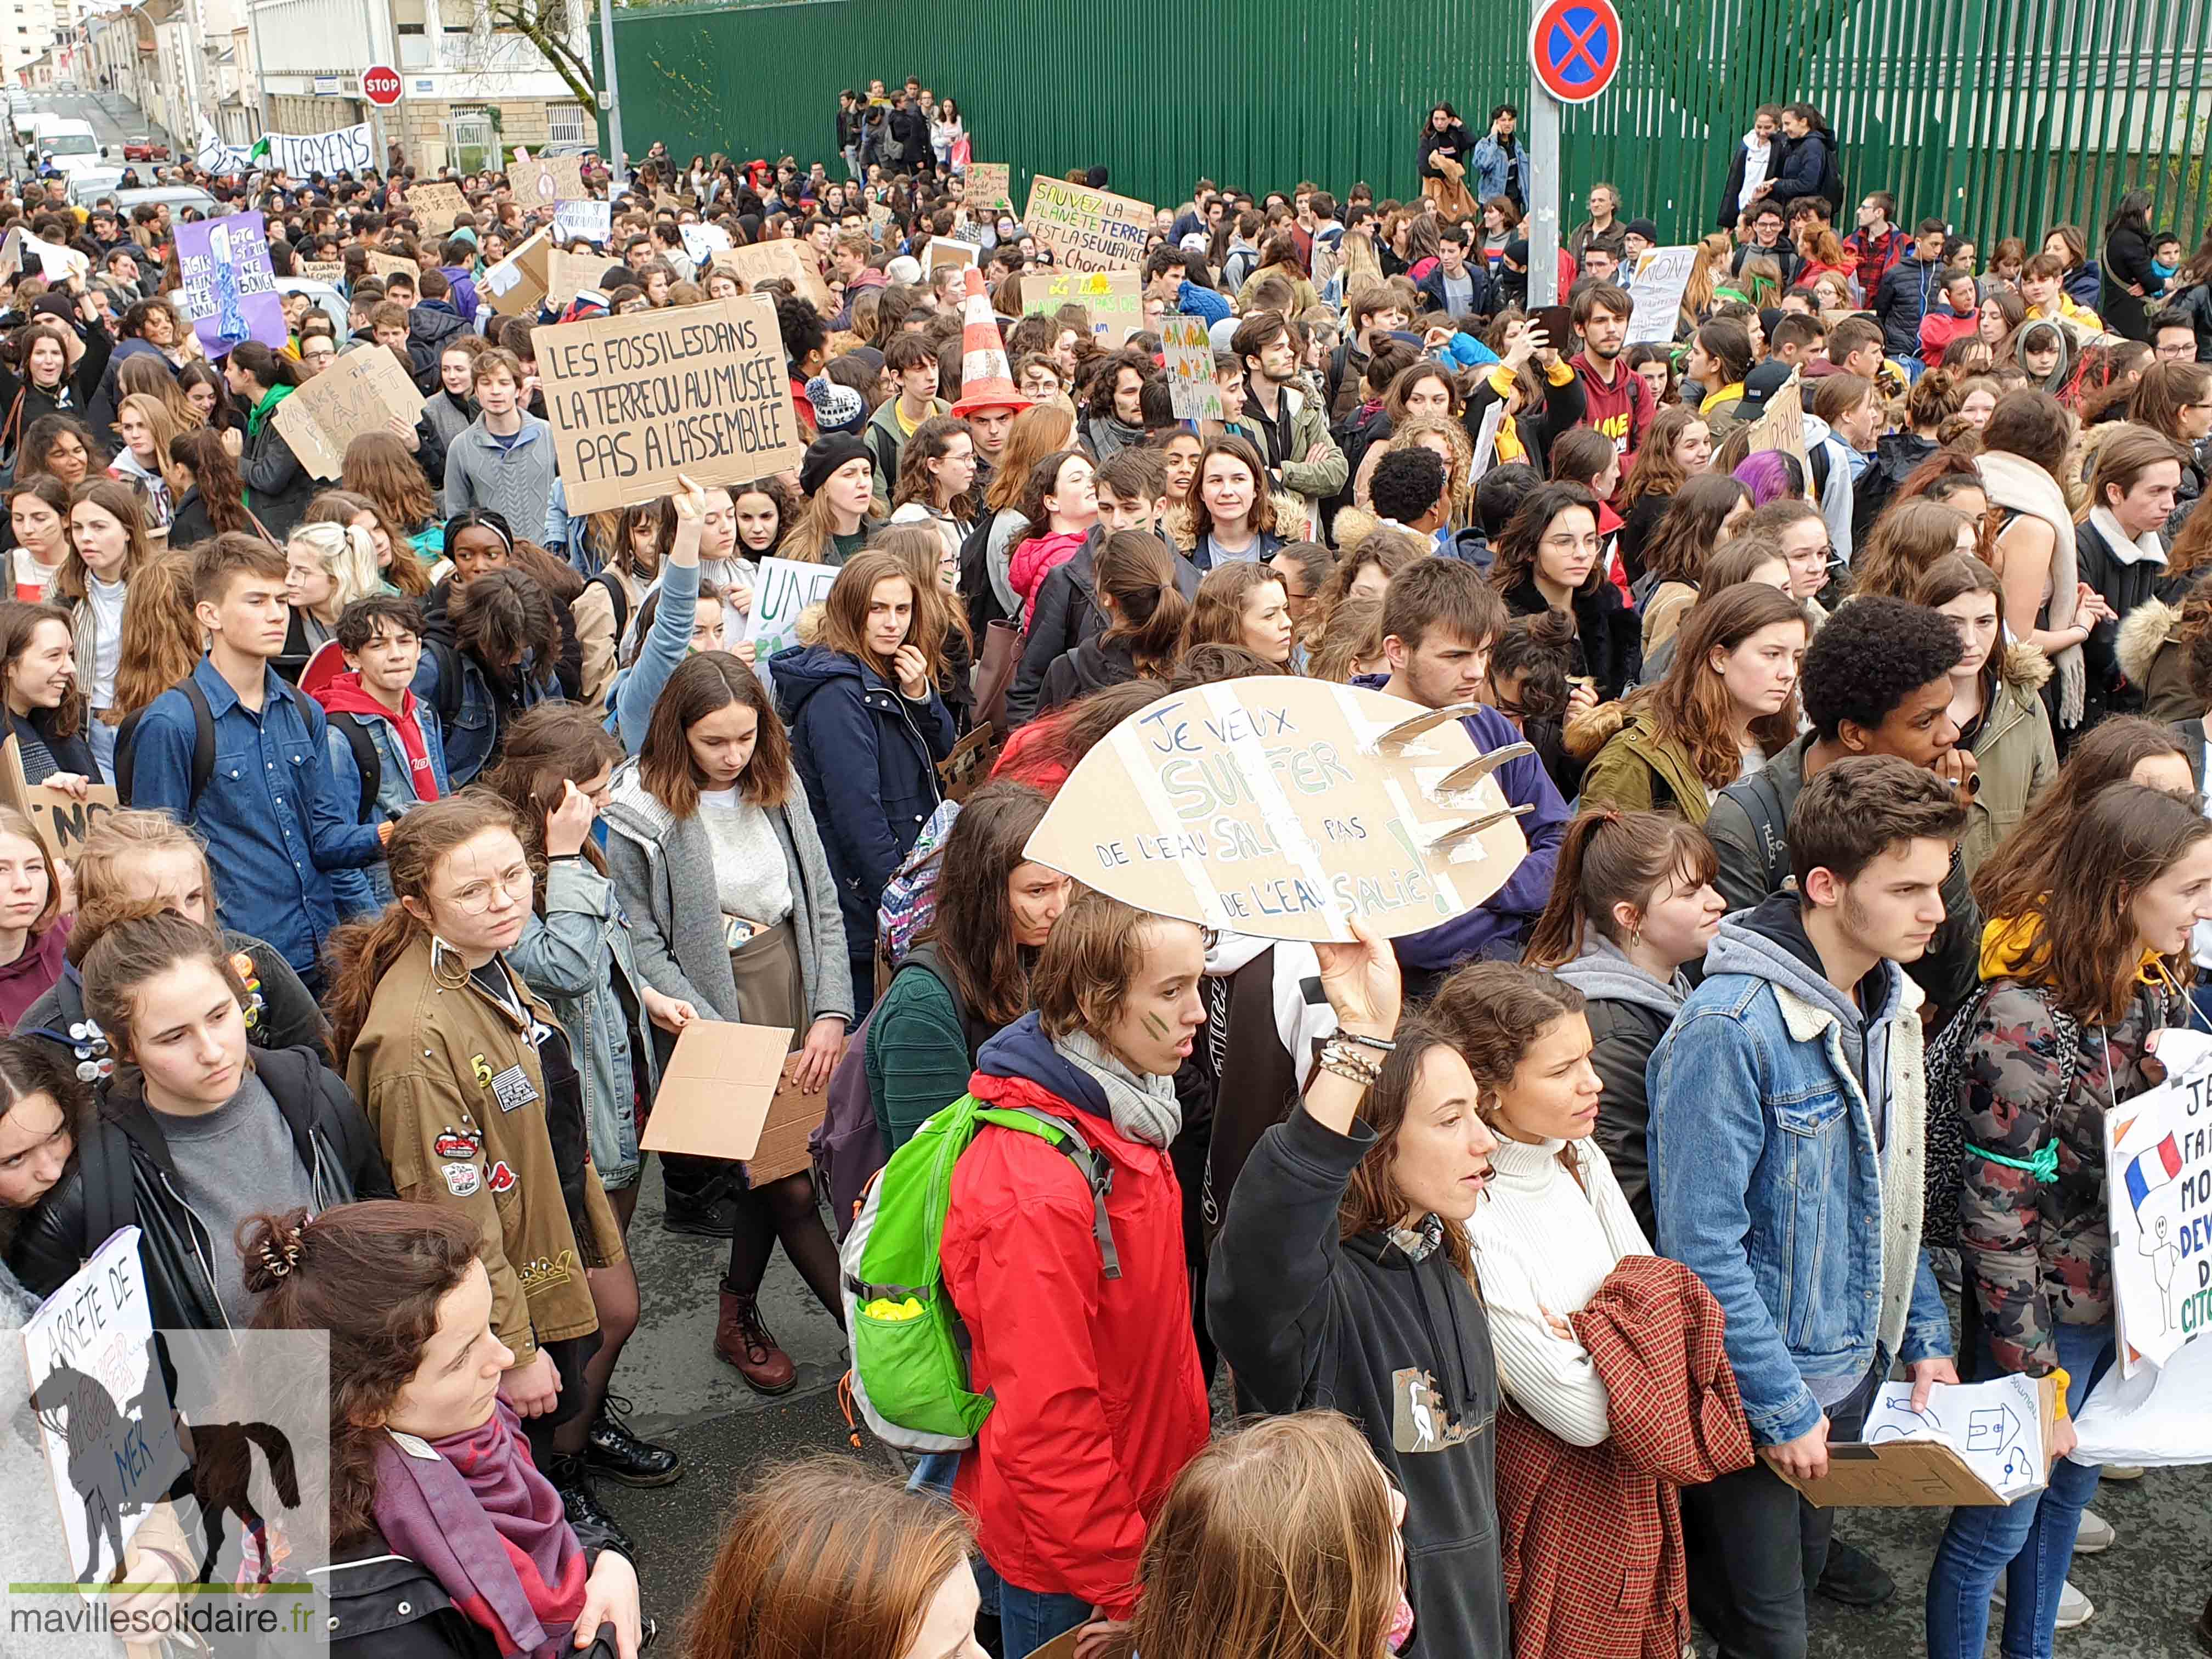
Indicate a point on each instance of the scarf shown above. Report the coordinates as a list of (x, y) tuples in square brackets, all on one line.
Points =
[(266, 408), (2021, 486), (2147, 548), (1142, 1109), (474, 1511)]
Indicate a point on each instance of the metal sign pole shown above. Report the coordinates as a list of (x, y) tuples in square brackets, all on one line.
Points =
[(1542, 139), (611, 96)]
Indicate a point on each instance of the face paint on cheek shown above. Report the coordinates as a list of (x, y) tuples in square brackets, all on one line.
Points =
[(1157, 1026)]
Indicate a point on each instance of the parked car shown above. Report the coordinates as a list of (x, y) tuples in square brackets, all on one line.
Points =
[(88, 185), (178, 196), (143, 148)]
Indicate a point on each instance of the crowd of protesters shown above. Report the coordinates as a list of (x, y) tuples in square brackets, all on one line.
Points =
[(1853, 738)]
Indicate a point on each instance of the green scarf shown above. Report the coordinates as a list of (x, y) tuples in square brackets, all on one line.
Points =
[(266, 408)]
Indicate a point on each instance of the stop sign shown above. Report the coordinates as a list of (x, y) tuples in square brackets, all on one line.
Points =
[(381, 85)]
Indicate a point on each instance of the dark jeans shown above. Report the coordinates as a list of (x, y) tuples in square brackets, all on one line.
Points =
[(1757, 1548)]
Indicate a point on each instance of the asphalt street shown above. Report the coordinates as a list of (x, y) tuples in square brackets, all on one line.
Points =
[(2148, 1588)]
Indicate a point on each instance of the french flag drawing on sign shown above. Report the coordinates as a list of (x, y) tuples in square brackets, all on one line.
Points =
[(2152, 1167)]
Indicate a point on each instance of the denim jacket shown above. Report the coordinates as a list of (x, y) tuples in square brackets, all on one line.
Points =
[(1766, 1178), (1496, 173), (361, 891), (472, 736), (581, 957)]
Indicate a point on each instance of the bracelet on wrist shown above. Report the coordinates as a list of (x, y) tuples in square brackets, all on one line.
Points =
[(1381, 1045)]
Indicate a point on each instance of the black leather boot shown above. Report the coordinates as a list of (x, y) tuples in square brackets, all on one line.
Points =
[(593, 1524), (611, 1451)]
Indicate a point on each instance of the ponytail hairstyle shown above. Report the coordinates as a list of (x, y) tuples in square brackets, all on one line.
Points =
[(347, 555), (1373, 1202), (406, 571), (135, 948), (553, 744), (1609, 858), (362, 952), (1136, 568), (370, 1276), (215, 476), (264, 365)]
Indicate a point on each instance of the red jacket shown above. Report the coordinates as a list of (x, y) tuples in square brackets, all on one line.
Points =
[(1939, 328), (1099, 1399), (1592, 1535)]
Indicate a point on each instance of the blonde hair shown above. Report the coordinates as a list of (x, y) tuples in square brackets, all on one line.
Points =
[(347, 554), (1278, 1542), (156, 412)]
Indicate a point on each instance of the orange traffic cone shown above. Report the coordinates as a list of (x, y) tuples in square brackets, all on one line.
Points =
[(986, 381)]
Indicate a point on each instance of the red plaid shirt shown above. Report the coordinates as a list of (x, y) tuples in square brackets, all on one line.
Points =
[(1591, 1535)]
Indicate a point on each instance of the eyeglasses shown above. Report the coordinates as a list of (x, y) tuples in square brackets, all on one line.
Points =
[(475, 898)]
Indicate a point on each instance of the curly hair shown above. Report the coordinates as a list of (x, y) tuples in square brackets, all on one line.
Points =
[(1871, 655)]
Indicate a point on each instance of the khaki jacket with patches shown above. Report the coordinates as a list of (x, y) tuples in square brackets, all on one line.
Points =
[(431, 1067)]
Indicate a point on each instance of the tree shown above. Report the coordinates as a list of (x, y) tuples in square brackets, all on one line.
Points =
[(546, 24)]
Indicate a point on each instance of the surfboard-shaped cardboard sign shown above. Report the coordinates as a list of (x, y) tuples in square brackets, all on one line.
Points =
[(1282, 807)]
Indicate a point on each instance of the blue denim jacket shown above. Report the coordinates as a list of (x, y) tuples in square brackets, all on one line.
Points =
[(271, 821), (471, 736), (361, 891), (580, 956), (1766, 1178)]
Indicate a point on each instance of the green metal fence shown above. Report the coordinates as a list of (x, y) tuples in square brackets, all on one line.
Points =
[(2003, 116)]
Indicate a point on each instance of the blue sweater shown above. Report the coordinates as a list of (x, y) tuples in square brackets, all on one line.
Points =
[(1504, 918)]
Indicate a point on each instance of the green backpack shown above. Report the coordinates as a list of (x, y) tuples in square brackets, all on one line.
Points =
[(909, 1375)]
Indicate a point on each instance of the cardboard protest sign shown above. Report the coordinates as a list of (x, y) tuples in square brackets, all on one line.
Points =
[(388, 264), (542, 184), (702, 390), (1656, 288), (593, 221), (786, 588), (989, 185), (516, 285), (763, 261), (944, 251), (2158, 1154), (792, 1117), (1974, 1444), (1783, 426), (1189, 356), (229, 288), (1087, 229), (63, 820), (435, 207), (1060, 1647), (324, 271), (103, 1411), (717, 1089), (55, 263), (702, 242), (1116, 300), (1282, 807), (360, 391), (566, 273)]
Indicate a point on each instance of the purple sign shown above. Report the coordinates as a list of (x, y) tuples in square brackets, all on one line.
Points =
[(229, 287)]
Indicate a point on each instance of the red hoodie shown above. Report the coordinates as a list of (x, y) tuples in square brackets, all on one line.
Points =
[(345, 695)]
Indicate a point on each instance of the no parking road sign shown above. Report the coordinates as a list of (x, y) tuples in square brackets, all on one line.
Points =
[(1574, 47)]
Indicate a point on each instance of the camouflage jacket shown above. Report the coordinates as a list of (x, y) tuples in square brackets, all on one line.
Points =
[(2040, 1246)]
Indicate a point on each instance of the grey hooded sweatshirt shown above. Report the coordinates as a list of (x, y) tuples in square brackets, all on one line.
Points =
[(1629, 1012)]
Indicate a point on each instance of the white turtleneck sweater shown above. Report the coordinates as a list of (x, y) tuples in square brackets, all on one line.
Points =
[(1540, 1242)]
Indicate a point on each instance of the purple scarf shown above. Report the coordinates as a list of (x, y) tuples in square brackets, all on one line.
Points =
[(489, 1527)]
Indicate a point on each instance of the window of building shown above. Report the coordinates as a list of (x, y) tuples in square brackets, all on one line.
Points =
[(565, 123)]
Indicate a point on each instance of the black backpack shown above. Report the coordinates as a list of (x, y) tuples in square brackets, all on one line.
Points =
[(977, 592), (618, 595), (357, 738)]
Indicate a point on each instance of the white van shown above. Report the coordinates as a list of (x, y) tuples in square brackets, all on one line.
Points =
[(68, 145)]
